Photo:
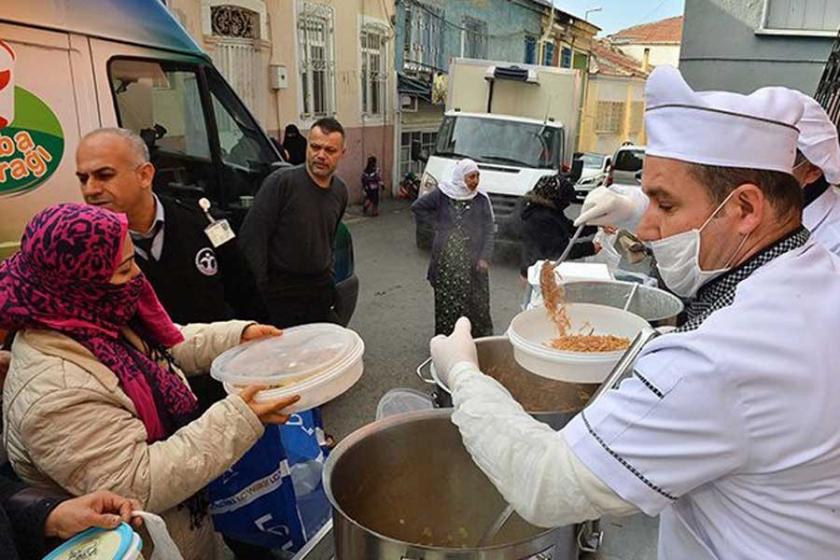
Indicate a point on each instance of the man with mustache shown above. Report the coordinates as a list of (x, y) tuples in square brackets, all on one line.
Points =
[(289, 233)]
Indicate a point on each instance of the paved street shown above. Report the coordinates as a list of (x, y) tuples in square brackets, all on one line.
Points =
[(395, 317)]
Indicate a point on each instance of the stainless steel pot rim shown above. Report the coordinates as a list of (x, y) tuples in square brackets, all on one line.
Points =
[(385, 423)]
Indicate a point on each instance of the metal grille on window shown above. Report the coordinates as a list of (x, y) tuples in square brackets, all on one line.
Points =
[(373, 77), (235, 55), (475, 38), (530, 50), (233, 21), (427, 143), (424, 37), (610, 117), (317, 67)]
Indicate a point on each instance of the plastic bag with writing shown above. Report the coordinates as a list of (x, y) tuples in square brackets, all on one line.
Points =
[(254, 501)]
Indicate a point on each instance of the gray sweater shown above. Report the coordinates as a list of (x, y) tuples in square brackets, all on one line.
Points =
[(289, 232)]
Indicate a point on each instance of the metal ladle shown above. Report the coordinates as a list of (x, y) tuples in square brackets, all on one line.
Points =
[(630, 297), (568, 248), (497, 525)]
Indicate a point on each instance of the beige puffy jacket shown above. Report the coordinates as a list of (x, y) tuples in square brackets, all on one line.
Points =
[(68, 425)]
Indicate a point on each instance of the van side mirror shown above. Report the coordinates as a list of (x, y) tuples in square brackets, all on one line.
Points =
[(418, 153), (576, 171)]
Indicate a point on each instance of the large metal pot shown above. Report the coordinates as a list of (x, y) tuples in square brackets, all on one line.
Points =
[(549, 401), (406, 488), (657, 307)]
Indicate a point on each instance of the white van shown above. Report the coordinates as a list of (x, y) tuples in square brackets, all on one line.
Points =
[(70, 66)]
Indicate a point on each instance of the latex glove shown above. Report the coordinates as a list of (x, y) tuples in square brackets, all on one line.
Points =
[(447, 351), (604, 206), (100, 509)]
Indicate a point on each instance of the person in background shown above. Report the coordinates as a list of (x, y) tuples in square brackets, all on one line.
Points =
[(546, 230), (294, 145), (817, 168), (371, 185), (463, 222), (96, 397), (289, 233)]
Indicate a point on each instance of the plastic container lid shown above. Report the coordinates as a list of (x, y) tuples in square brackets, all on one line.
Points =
[(121, 543), (301, 352), (400, 401)]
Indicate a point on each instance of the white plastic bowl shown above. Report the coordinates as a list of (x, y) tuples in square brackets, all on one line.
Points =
[(337, 378), (531, 330)]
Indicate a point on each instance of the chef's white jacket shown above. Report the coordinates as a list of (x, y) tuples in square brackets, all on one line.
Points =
[(822, 218), (731, 432)]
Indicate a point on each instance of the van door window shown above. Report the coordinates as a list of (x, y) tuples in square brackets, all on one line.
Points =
[(247, 155), (161, 101)]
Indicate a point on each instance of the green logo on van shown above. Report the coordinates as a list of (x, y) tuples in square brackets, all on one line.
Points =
[(31, 146)]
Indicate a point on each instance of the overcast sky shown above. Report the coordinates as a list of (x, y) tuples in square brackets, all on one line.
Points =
[(620, 14)]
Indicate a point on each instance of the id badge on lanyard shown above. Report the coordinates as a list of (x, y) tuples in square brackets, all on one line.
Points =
[(218, 232)]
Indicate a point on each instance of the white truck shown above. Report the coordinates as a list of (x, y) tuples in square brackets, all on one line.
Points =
[(517, 121)]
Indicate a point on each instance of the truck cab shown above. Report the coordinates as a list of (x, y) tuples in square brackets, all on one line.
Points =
[(517, 122), (511, 152)]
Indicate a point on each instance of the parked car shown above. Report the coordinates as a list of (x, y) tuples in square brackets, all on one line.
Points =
[(626, 166), (594, 174)]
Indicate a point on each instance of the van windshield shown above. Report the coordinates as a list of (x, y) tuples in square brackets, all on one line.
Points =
[(491, 140), (202, 140)]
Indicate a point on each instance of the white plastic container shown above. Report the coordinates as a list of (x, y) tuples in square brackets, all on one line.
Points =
[(319, 362), (121, 543), (531, 330)]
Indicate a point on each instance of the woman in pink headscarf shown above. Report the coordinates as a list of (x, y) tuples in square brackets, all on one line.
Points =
[(96, 396)]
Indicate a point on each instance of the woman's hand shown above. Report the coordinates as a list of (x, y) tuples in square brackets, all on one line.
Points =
[(270, 412), (483, 265), (255, 331)]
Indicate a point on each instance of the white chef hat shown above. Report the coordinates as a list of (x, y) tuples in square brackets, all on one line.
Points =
[(756, 131), (818, 139)]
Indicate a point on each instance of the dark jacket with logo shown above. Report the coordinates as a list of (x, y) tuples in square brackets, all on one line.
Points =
[(23, 513), (194, 281)]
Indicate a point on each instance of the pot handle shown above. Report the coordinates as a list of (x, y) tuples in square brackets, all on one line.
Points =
[(430, 380)]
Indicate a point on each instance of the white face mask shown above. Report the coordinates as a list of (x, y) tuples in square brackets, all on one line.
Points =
[(678, 259)]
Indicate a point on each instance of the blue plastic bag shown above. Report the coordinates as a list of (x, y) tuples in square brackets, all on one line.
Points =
[(304, 442), (254, 501)]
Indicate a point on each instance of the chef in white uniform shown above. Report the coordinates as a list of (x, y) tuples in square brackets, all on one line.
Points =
[(817, 168), (728, 428)]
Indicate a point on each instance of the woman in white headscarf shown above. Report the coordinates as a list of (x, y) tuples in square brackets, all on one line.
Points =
[(463, 223)]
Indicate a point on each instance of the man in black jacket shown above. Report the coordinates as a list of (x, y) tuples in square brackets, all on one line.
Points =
[(196, 281)]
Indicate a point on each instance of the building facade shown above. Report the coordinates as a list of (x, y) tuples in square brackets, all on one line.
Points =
[(429, 33), (614, 101), (652, 44), (294, 61), (741, 46)]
